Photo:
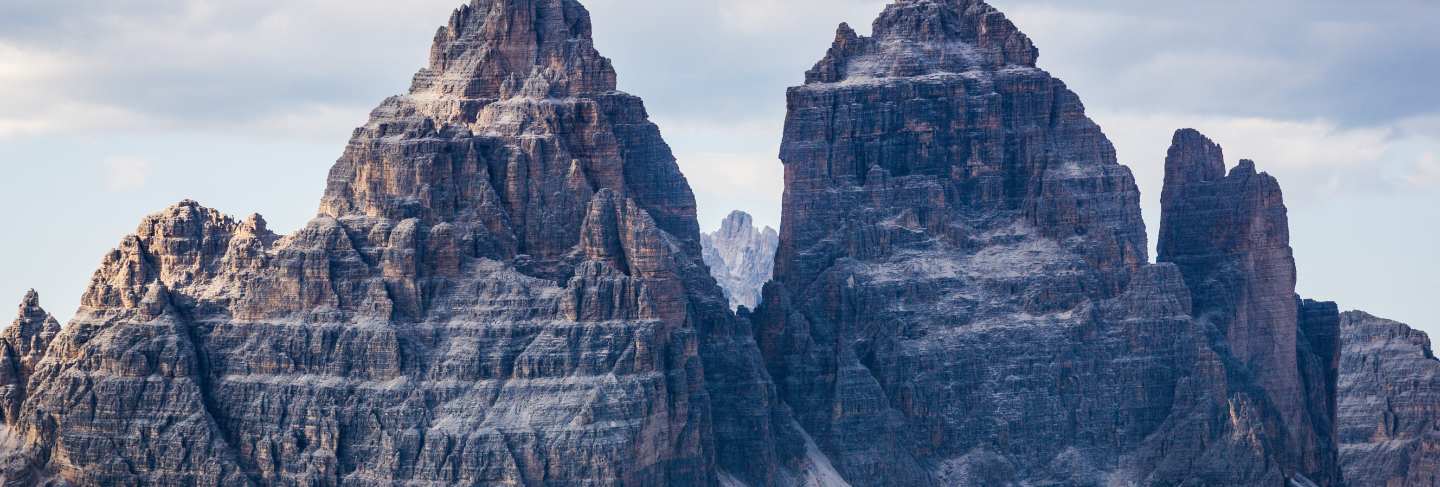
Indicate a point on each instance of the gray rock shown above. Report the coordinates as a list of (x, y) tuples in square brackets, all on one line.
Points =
[(741, 257), (1230, 237), (1389, 404), (962, 294), (22, 346), (504, 286)]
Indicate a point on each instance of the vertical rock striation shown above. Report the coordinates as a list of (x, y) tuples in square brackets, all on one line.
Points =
[(1230, 237), (22, 346), (504, 286), (1389, 402), (741, 258), (962, 294)]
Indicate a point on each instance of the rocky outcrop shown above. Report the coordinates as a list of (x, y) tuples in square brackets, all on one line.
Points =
[(22, 346), (741, 257), (1389, 402), (1229, 235), (504, 286), (962, 294)]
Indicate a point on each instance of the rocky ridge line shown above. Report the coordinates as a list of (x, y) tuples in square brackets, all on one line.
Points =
[(741, 257), (1389, 402)]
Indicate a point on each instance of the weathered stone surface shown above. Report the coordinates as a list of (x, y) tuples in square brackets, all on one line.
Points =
[(962, 295), (741, 257), (22, 346), (504, 286), (1230, 237), (1389, 404)]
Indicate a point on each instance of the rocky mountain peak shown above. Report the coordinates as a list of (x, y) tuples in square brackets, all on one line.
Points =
[(497, 49), (1193, 157), (1229, 235), (32, 321), (506, 136), (919, 37), (741, 258), (737, 223), (30, 303), (22, 346)]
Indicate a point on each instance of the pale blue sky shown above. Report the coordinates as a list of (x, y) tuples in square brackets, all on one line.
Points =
[(113, 109)]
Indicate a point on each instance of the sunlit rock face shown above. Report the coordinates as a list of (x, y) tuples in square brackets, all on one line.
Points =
[(1230, 236), (1389, 404), (741, 258), (504, 286), (962, 294)]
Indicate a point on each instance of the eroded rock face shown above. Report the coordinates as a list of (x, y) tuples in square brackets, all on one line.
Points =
[(1389, 402), (22, 346), (1229, 235), (504, 287), (741, 257), (962, 295)]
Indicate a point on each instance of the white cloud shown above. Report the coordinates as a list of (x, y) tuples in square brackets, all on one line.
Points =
[(20, 117), (1143, 138), (125, 174), (20, 65), (1427, 171), (311, 121), (768, 16)]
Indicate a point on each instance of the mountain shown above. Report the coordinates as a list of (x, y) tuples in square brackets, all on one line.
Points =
[(1389, 402), (1230, 236), (962, 294), (504, 285), (741, 257), (22, 346)]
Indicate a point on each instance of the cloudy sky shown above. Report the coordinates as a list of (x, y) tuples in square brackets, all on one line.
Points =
[(112, 109)]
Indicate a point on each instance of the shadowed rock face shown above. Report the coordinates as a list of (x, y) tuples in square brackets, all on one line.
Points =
[(1389, 402), (741, 257), (1229, 235), (504, 286), (961, 293), (22, 346)]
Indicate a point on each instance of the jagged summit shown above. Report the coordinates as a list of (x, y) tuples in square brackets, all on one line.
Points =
[(504, 286), (32, 319), (739, 222), (1229, 235), (508, 133), (1193, 157), (31, 301), (501, 48), (919, 37), (741, 257), (23, 344)]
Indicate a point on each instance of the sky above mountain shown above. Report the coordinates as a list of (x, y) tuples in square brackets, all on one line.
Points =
[(112, 110)]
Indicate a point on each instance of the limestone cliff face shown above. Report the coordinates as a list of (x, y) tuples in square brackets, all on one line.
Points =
[(962, 295), (1389, 403), (504, 286), (1229, 235), (741, 257), (22, 346)]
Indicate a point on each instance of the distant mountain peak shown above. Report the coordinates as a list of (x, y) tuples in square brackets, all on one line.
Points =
[(741, 258)]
